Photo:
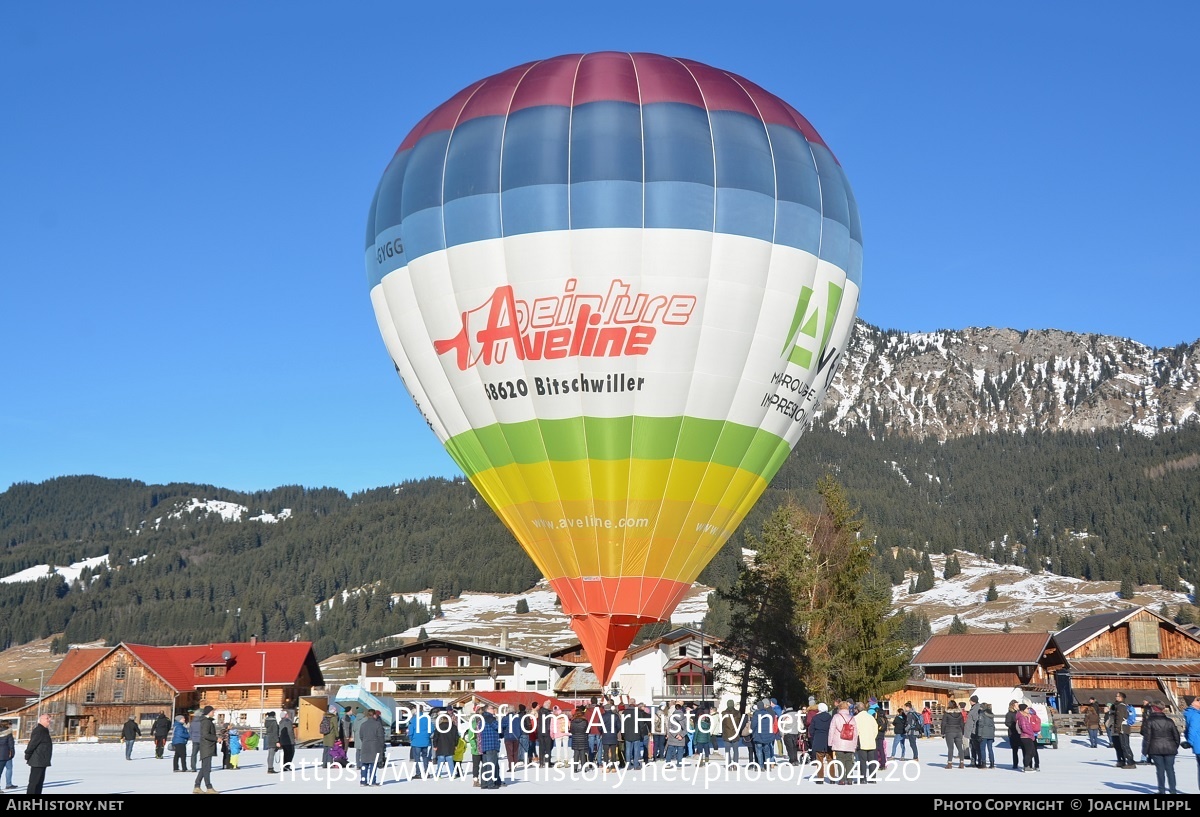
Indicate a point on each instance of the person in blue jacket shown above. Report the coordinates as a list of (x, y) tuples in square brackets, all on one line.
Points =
[(1191, 731), (420, 732), (179, 742)]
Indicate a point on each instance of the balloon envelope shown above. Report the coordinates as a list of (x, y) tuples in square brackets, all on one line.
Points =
[(617, 286)]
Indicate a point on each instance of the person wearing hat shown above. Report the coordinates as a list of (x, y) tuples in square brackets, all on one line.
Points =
[(208, 750), (179, 742), (329, 729), (270, 740), (818, 735), (287, 742)]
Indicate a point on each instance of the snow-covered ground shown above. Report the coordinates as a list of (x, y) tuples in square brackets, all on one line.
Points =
[(1069, 771)]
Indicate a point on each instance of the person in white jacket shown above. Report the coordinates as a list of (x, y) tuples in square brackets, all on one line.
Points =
[(868, 749)]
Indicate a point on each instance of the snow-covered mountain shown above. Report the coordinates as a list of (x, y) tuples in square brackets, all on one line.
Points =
[(952, 383)]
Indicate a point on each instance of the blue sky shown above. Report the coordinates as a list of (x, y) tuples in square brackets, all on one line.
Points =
[(184, 189)]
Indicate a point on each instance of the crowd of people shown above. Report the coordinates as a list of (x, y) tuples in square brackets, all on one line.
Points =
[(845, 743)]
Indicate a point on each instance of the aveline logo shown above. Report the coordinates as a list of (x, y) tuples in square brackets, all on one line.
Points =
[(566, 324), (811, 327)]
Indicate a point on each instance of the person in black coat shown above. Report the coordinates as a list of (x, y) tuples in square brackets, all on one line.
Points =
[(579, 737), (371, 749), (545, 739), (445, 741), (37, 754), (8, 750), (208, 750), (818, 732), (1160, 737), (130, 732), (287, 743), (610, 736), (161, 730)]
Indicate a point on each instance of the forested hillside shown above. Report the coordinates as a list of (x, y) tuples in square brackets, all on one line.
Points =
[(1102, 505)]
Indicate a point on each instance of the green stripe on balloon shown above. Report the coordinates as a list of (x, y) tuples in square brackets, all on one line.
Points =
[(602, 438)]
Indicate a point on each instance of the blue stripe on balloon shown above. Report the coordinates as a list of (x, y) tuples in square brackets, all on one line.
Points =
[(835, 244), (422, 233), (681, 205), (387, 210), (606, 142), (743, 212), (385, 254), (422, 186), (535, 209), (535, 148), (609, 203), (473, 159), (854, 262), (473, 218), (678, 144), (668, 205), (743, 152), (797, 226), (834, 203), (771, 182), (796, 178)]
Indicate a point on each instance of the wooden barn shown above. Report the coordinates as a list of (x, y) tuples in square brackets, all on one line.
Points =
[(998, 667), (923, 692), (1135, 651), (1022, 661), (96, 689)]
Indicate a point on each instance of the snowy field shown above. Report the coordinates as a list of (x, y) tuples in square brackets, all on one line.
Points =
[(1073, 771)]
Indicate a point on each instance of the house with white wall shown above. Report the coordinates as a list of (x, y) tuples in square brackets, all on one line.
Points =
[(449, 667)]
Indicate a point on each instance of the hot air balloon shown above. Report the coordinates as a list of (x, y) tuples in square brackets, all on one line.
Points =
[(617, 286)]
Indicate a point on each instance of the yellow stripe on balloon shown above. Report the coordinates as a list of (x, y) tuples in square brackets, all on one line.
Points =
[(668, 523)]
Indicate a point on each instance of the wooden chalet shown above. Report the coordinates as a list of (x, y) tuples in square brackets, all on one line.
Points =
[(998, 667), (96, 689), (923, 692), (1021, 661), (1135, 651)]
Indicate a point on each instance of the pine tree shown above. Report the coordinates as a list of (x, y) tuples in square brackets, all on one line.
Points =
[(422, 635), (953, 568), (925, 581), (762, 626), (1064, 621), (522, 606), (1126, 591), (992, 594), (809, 615), (958, 627)]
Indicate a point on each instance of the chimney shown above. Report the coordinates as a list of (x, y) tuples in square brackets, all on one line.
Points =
[(253, 640), (504, 638)]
